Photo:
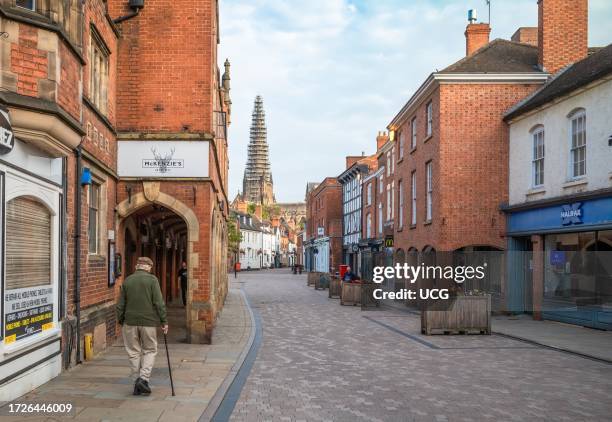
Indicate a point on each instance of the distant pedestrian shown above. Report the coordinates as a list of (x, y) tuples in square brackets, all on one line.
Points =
[(349, 275), (140, 310), (182, 275)]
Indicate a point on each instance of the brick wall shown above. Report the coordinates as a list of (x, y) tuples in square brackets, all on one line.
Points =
[(562, 32), (325, 210), (469, 153), (165, 42)]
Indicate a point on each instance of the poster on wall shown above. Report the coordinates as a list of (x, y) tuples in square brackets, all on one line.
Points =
[(27, 311), (162, 159)]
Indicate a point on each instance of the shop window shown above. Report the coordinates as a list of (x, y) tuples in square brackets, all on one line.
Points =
[(578, 144), (26, 4), (94, 223), (28, 244), (98, 72), (578, 270)]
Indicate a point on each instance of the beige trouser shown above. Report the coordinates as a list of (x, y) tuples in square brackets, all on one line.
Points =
[(141, 346)]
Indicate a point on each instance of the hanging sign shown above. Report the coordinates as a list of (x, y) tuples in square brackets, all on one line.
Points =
[(7, 138), (162, 159), (389, 241), (27, 311)]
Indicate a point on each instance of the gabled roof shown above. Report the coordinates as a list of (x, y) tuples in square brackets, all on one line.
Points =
[(590, 69), (499, 56)]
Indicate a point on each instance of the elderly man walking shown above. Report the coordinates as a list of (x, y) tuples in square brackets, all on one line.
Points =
[(141, 309)]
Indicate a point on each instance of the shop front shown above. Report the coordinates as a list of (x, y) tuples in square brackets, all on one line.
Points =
[(32, 222), (560, 261), (321, 255)]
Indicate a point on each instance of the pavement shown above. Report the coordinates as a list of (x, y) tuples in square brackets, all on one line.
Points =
[(101, 389), (319, 361), (567, 337)]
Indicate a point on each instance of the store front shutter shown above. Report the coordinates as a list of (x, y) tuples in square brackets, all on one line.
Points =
[(28, 244)]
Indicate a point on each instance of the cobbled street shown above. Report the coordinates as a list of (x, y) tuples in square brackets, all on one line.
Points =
[(320, 361)]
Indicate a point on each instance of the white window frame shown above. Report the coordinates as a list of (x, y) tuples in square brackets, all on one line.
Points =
[(575, 147), (389, 161), (400, 205), (380, 218), (429, 118), (389, 206), (413, 141), (369, 226), (537, 162), (400, 141), (413, 211), (429, 177), (369, 196)]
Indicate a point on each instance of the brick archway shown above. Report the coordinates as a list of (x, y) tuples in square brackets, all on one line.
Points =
[(152, 195)]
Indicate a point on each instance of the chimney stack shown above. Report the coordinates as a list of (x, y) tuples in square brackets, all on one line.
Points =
[(381, 139), (562, 33), (526, 35)]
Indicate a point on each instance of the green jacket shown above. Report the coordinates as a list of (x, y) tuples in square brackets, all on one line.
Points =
[(141, 302)]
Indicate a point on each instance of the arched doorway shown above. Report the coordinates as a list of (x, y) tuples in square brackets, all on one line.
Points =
[(162, 228)]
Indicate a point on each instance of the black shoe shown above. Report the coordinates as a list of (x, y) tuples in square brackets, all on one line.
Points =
[(137, 391), (143, 386)]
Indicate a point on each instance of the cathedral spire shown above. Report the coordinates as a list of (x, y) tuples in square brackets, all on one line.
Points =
[(257, 182)]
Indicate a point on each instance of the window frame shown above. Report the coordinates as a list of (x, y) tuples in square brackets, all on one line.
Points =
[(413, 141), (400, 205), (32, 9), (575, 116), (99, 65), (413, 194), (429, 119), (90, 207), (537, 160), (429, 190)]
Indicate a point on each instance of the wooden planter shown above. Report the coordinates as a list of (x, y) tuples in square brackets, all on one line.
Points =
[(358, 294), (322, 282), (464, 315), (312, 276), (335, 288)]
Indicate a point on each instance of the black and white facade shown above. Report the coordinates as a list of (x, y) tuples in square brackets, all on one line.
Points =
[(350, 180)]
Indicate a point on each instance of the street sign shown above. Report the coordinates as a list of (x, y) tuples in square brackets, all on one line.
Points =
[(7, 138)]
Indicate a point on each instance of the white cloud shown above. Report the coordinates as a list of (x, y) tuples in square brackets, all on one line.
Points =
[(334, 72)]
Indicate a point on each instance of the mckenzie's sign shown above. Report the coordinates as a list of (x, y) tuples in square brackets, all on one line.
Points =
[(163, 159), (7, 138)]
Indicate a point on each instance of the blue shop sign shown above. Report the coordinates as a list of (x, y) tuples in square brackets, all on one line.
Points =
[(591, 213)]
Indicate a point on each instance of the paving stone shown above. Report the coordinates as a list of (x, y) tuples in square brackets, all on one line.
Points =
[(322, 361)]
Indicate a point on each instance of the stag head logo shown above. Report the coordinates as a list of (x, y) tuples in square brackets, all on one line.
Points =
[(163, 160)]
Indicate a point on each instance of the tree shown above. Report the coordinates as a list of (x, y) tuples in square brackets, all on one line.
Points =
[(251, 208), (234, 237)]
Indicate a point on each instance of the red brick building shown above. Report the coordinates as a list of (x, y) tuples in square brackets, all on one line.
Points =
[(323, 248), (58, 84), (455, 175), (74, 224), (172, 111)]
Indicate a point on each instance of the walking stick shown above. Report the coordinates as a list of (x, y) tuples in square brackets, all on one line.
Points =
[(169, 366)]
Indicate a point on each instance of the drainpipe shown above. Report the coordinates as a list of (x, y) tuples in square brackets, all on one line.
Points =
[(77, 251), (135, 5)]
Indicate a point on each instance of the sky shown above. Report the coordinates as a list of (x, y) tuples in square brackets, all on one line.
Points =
[(333, 73)]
